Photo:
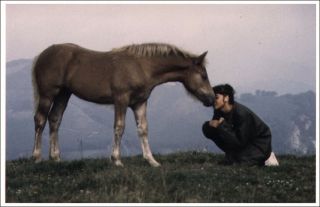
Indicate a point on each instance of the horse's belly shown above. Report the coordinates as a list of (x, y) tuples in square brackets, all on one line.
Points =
[(91, 85), (92, 91), (95, 99)]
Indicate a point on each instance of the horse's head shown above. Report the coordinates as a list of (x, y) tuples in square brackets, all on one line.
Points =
[(196, 81)]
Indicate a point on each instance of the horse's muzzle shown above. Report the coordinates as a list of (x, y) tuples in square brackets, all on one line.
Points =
[(208, 101)]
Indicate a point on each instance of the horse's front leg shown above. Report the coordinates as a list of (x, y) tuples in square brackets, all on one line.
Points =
[(119, 125), (140, 112)]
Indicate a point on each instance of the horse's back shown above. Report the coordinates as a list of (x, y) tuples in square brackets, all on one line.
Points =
[(91, 75), (85, 73)]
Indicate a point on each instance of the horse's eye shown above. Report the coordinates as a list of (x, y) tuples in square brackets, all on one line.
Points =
[(204, 76)]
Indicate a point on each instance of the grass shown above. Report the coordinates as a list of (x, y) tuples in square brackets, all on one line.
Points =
[(189, 177)]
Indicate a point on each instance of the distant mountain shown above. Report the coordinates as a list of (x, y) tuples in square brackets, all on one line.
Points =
[(292, 119), (175, 121)]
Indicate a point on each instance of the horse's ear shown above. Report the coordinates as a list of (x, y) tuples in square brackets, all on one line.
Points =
[(199, 60)]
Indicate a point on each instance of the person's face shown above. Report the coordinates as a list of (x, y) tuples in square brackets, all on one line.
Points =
[(220, 101)]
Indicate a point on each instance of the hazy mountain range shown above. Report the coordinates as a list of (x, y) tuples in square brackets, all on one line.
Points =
[(175, 121)]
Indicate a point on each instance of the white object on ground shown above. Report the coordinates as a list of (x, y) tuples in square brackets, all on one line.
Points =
[(272, 160)]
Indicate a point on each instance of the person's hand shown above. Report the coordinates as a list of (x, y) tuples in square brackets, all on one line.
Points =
[(215, 123)]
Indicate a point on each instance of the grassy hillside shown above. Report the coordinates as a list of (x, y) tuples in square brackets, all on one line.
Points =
[(183, 177)]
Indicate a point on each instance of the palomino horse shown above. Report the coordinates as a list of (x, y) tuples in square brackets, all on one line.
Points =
[(123, 77)]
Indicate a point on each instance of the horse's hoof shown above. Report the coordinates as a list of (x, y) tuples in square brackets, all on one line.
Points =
[(36, 159), (155, 164), (118, 163), (36, 156), (152, 161), (55, 158)]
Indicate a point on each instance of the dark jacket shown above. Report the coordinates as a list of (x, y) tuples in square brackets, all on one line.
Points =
[(242, 134)]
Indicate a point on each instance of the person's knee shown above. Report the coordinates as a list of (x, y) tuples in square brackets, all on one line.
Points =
[(206, 130)]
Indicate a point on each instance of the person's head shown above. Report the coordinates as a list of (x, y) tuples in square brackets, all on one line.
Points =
[(224, 94)]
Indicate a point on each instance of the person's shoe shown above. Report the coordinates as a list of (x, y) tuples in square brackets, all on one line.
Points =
[(272, 160)]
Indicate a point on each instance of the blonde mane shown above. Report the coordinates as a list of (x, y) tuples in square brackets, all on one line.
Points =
[(154, 49)]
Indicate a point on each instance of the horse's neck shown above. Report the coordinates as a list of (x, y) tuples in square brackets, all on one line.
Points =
[(168, 70)]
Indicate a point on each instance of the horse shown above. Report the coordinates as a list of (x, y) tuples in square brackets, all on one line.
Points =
[(123, 77)]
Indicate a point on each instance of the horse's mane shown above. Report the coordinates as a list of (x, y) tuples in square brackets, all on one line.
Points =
[(154, 49)]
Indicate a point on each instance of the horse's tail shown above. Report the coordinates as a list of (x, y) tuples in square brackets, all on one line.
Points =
[(35, 85)]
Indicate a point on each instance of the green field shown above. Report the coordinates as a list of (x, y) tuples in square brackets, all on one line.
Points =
[(188, 177)]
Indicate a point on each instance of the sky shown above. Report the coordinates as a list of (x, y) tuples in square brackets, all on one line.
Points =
[(251, 46)]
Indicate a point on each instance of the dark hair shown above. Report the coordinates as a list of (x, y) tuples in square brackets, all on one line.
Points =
[(225, 89)]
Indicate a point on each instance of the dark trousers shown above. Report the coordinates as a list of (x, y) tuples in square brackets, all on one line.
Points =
[(249, 154)]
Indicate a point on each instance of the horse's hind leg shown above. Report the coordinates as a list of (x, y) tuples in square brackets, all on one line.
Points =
[(55, 116), (142, 125), (40, 119)]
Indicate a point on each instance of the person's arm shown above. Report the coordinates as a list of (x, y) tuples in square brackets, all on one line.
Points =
[(208, 128), (209, 131), (216, 115), (238, 136)]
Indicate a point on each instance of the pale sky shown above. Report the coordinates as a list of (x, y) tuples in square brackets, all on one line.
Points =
[(251, 46)]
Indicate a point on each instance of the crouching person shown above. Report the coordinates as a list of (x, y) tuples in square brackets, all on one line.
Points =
[(239, 132)]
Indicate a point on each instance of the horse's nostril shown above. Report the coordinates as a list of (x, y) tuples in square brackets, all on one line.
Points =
[(208, 101), (211, 100)]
